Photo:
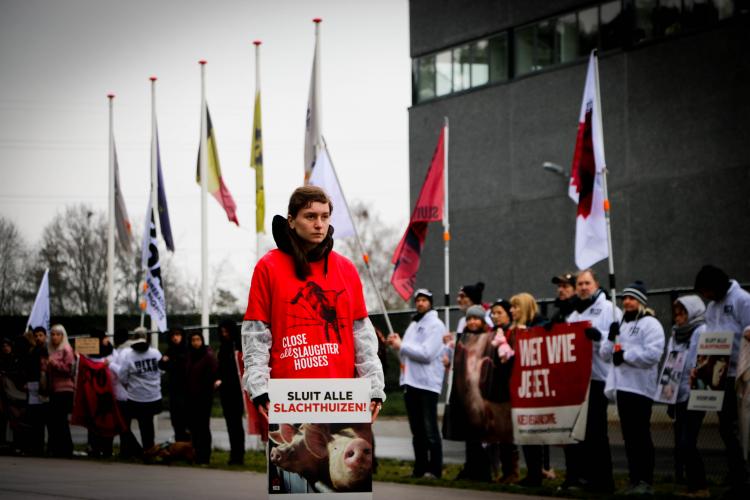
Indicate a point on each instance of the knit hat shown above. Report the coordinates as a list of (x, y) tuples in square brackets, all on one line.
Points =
[(568, 278), (637, 290), (423, 292), (474, 292), (504, 304), (475, 312)]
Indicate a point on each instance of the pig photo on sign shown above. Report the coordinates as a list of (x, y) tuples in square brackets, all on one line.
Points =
[(479, 398), (317, 458)]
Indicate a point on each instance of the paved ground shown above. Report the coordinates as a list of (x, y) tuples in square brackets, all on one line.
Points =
[(393, 440), (39, 478)]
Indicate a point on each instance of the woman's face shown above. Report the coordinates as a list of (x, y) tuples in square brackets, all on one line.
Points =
[(224, 333), (55, 338), (515, 312), (474, 324), (7, 348), (499, 316), (176, 338), (679, 314), (629, 304), (196, 341), (311, 223)]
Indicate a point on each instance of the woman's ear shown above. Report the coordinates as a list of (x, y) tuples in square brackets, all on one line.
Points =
[(290, 220)]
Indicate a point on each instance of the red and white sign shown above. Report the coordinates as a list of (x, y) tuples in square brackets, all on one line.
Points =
[(550, 383)]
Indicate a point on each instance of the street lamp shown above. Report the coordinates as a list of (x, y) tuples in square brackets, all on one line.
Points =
[(556, 169)]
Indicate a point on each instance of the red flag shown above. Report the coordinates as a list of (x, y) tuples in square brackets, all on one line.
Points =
[(94, 406), (256, 424), (429, 208)]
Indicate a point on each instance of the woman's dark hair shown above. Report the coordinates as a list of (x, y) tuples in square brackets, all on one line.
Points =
[(233, 331), (304, 196)]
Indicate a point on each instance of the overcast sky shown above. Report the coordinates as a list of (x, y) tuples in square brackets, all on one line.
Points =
[(60, 58)]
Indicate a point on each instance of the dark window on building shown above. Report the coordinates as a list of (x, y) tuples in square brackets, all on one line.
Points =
[(524, 50), (498, 48), (566, 38), (425, 78), (610, 25), (588, 31)]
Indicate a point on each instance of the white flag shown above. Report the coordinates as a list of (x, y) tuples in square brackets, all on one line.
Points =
[(586, 178), (312, 119), (40, 312), (156, 303), (324, 176)]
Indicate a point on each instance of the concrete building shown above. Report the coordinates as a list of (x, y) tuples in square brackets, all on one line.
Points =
[(509, 75)]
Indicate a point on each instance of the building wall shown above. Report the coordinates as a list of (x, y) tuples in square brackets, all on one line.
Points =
[(676, 131)]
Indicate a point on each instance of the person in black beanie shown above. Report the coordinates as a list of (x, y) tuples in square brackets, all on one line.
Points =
[(728, 309), (230, 390), (468, 295)]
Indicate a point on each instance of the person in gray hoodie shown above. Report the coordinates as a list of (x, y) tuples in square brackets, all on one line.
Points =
[(689, 323)]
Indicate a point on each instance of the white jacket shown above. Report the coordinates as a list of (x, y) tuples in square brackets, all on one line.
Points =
[(730, 314), (642, 341), (600, 316), (683, 392), (421, 354), (139, 373)]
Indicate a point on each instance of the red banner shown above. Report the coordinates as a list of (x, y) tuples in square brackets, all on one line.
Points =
[(94, 406), (549, 384)]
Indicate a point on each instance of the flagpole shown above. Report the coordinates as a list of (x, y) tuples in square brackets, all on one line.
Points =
[(611, 258), (446, 232), (203, 160), (365, 256), (257, 44), (154, 177), (111, 225)]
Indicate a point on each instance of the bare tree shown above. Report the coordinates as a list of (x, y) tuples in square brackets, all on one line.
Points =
[(379, 241), (74, 248), (13, 281)]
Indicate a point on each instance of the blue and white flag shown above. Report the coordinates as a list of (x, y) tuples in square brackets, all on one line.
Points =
[(40, 312), (156, 303)]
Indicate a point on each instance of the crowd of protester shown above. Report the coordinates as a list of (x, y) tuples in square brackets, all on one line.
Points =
[(628, 347), (39, 372)]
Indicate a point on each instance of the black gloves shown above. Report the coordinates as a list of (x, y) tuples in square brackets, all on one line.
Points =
[(593, 334), (618, 358), (614, 331), (261, 401)]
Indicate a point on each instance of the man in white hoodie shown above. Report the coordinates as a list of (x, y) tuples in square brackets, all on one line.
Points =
[(422, 374), (728, 310)]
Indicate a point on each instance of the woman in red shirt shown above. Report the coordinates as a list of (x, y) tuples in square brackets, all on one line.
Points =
[(306, 315)]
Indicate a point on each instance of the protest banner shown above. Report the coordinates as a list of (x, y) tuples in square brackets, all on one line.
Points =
[(669, 378), (550, 382), (320, 438), (711, 366)]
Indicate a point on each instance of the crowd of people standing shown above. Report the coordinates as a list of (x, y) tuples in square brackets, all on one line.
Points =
[(39, 371), (628, 346)]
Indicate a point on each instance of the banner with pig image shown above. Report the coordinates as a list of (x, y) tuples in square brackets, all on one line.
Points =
[(320, 438), (549, 383)]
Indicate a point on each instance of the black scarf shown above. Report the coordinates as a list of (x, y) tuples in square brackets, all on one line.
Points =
[(291, 244), (581, 305)]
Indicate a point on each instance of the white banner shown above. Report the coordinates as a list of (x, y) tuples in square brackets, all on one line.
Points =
[(313, 401), (40, 312)]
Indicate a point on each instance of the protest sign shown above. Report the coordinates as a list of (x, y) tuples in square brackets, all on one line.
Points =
[(669, 379), (711, 366), (320, 438), (550, 382), (87, 345)]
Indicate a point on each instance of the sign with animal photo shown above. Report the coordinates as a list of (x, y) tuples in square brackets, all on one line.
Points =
[(320, 438), (669, 379), (710, 376), (550, 382)]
